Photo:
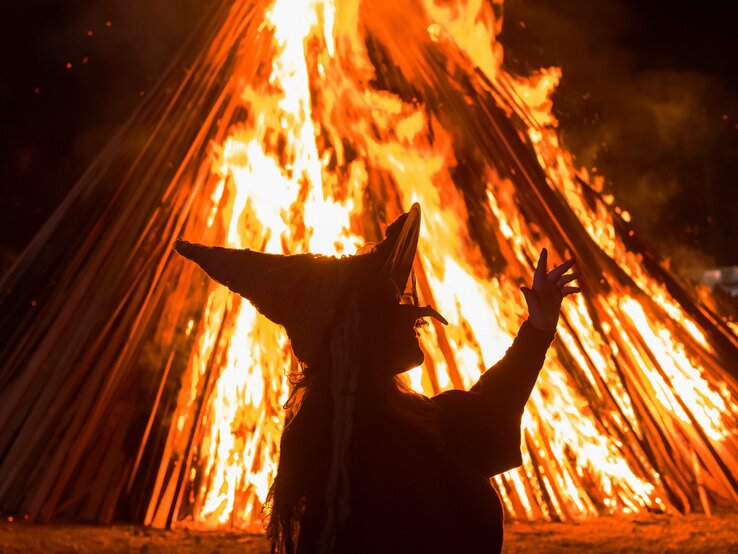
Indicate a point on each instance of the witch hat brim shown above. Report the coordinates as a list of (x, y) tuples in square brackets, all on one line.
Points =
[(305, 292)]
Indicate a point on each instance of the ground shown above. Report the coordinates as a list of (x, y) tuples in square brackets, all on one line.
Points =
[(639, 534)]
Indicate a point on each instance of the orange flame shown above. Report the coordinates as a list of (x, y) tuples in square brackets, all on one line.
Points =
[(300, 171)]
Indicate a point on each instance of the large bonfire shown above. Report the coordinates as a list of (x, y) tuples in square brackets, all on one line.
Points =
[(132, 387)]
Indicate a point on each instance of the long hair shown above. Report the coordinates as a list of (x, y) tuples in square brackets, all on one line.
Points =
[(295, 504), (298, 506)]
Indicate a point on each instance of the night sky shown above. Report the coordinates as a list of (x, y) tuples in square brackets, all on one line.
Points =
[(649, 97)]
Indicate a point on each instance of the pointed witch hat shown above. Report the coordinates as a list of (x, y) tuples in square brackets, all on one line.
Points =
[(307, 293)]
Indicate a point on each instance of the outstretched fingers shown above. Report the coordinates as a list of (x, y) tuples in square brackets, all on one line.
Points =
[(557, 272), (564, 279), (545, 296), (554, 282), (539, 277)]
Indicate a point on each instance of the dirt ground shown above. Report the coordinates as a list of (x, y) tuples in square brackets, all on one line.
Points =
[(640, 534)]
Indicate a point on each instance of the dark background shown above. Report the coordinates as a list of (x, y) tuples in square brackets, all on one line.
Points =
[(649, 97)]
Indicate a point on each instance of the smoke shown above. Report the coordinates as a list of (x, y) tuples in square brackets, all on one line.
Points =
[(655, 119)]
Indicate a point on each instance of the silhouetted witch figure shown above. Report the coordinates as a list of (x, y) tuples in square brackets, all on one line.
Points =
[(367, 465)]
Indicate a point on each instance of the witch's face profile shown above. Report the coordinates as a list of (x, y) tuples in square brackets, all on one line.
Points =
[(403, 348), (392, 331)]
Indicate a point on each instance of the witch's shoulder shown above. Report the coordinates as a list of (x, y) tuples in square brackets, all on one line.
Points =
[(417, 400)]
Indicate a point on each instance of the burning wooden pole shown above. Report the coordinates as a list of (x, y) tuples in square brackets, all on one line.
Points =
[(133, 388)]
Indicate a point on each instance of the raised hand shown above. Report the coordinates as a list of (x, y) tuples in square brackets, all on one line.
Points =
[(549, 289)]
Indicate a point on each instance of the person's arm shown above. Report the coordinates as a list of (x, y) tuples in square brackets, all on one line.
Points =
[(482, 425), (510, 381)]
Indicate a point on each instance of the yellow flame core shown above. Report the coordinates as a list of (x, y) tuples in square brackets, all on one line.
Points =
[(240, 446), (287, 183)]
